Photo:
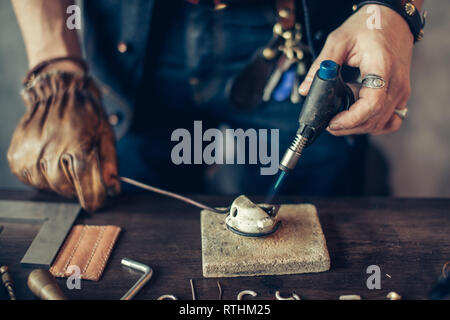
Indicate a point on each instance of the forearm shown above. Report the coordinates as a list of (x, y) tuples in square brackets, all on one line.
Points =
[(44, 30)]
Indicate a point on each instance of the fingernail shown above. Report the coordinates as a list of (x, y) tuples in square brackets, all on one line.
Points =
[(301, 90), (335, 126)]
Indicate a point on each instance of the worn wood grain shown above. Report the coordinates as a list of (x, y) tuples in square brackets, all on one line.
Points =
[(408, 238)]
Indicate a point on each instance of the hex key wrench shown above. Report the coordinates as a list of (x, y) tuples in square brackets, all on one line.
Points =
[(148, 273)]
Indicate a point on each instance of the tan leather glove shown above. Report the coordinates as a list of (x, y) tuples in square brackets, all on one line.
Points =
[(64, 141)]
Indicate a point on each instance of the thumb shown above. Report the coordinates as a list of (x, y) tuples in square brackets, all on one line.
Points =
[(108, 160), (332, 50)]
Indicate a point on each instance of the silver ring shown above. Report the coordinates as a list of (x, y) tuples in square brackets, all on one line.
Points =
[(373, 81), (402, 113)]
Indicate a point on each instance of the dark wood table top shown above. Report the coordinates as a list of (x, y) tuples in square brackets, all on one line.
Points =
[(409, 239)]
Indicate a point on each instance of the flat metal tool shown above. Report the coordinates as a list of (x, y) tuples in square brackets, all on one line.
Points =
[(56, 219), (148, 273)]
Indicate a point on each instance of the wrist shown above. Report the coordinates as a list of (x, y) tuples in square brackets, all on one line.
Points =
[(396, 22), (68, 66), (408, 10), (45, 52)]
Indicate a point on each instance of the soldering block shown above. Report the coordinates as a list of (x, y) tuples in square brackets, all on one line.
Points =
[(298, 246)]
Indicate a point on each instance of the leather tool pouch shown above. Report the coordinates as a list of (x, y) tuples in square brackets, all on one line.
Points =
[(248, 87)]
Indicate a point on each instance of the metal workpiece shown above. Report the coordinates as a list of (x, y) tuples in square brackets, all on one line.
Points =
[(251, 220), (7, 282), (148, 273)]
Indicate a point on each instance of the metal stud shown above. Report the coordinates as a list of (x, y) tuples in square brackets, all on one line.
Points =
[(113, 119), (284, 13), (220, 6), (269, 53), (420, 35), (122, 47), (410, 8), (277, 29)]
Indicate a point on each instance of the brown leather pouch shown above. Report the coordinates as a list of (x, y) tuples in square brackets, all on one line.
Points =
[(88, 248), (247, 88)]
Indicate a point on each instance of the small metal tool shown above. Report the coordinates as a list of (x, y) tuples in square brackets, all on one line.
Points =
[(192, 289), (148, 273), (167, 297), (350, 297), (246, 293), (7, 282), (220, 290), (44, 285), (294, 296)]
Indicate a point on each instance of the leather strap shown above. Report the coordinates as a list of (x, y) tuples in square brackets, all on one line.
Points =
[(88, 248), (407, 10), (286, 13), (41, 66)]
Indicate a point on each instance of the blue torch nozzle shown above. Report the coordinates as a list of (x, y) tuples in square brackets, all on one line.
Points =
[(328, 70)]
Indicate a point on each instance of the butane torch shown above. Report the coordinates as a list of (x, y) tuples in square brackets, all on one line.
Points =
[(327, 96)]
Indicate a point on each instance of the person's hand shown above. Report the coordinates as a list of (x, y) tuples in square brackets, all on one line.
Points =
[(387, 53), (64, 142)]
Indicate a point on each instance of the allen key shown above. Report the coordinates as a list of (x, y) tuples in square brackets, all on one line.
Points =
[(148, 273)]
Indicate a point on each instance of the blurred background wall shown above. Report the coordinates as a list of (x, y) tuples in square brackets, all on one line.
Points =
[(418, 156)]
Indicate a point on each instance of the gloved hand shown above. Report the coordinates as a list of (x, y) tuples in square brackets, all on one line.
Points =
[(64, 141)]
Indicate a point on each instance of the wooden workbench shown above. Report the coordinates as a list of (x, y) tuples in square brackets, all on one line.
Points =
[(409, 239)]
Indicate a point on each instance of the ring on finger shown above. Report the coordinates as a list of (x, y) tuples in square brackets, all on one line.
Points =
[(402, 113), (373, 81)]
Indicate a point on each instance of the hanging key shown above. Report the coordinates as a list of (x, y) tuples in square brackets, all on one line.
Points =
[(283, 65), (295, 95)]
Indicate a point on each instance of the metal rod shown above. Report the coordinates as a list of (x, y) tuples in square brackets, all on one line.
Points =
[(192, 289), (220, 290), (171, 194)]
